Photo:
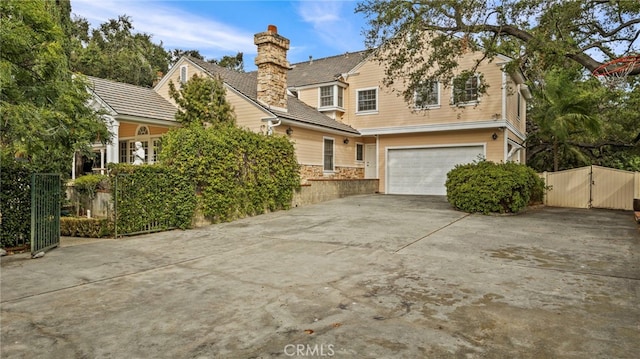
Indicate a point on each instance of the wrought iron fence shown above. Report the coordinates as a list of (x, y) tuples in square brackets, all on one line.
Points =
[(45, 211)]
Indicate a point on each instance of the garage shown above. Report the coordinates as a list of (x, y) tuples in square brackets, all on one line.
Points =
[(424, 170)]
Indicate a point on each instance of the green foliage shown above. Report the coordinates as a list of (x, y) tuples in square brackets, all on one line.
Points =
[(151, 197), (44, 114), (487, 187), (236, 172), (564, 110), (202, 102), (537, 34), (86, 227), (115, 52), (15, 202), (235, 63), (88, 185)]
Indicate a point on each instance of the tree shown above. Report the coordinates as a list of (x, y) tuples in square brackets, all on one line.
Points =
[(537, 34), (564, 112), (231, 62), (176, 54), (202, 101), (114, 52), (44, 114)]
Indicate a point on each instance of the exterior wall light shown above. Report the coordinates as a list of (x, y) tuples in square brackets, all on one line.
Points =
[(494, 136), (345, 141), (289, 131)]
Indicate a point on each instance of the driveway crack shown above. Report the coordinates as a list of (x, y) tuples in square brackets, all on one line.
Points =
[(432, 232)]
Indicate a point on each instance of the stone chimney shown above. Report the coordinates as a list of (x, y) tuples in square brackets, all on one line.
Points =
[(272, 68)]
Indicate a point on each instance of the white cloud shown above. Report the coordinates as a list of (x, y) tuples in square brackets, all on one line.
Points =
[(174, 27), (328, 21)]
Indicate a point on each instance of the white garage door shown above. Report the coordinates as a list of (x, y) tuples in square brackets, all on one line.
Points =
[(424, 170)]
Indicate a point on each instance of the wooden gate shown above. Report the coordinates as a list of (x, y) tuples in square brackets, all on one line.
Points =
[(591, 187), (45, 212)]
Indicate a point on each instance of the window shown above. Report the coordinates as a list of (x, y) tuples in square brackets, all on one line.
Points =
[(157, 146), (326, 96), (465, 92), (123, 152), (183, 74), (331, 96), (519, 101), (427, 94), (359, 152), (328, 154), (367, 100), (143, 131)]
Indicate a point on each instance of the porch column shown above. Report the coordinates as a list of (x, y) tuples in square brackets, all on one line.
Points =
[(112, 148)]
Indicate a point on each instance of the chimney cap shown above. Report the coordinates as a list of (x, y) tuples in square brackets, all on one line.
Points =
[(272, 28)]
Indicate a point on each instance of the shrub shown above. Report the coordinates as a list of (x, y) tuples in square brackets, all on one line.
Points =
[(87, 185), (151, 196), (15, 202), (236, 172), (486, 187), (85, 227)]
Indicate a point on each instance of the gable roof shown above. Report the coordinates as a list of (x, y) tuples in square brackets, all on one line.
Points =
[(127, 99), (246, 83), (323, 70)]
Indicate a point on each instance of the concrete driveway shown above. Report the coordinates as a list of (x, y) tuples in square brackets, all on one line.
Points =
[(375, 276)]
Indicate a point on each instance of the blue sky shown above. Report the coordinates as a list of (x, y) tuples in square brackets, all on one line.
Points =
[(216, 28)]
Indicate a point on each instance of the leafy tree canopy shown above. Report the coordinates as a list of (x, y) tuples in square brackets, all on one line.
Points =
[(113, 51), (537, 34), (202, 101), (44, 116), (231, 62)]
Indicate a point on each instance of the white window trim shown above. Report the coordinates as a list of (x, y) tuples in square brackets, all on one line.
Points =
[(184, 79), (367, 112), (149, 152), (518, 104), (425, 107), (333, 154), (356, 154), (467, 103), (334, 105)]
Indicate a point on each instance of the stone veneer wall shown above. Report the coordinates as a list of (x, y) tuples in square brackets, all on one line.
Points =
[(308, 172)]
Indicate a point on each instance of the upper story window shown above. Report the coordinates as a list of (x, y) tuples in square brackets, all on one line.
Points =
[(331, 96), (465, 92), (519, 106), (428, 94), (367, 100), (184, 75)]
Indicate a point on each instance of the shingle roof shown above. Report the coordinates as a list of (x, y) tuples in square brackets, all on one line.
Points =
[(247, 84), (323, 70), (132, 100)]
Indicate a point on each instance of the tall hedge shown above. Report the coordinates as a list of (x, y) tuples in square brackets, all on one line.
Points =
[(151, 197), (15, 202), (487, 187), (236, 172)]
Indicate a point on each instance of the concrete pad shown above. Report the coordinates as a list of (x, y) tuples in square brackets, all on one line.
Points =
[(375, 276)]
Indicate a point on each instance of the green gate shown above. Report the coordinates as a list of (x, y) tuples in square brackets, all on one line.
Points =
[(45, 212)]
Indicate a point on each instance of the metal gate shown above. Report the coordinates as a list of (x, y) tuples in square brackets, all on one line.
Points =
[(45, 212)]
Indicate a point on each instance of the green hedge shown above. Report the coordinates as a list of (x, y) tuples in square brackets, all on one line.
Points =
[(236, 172), (151, 197), (15, 202), (86, 227), (487, 187)]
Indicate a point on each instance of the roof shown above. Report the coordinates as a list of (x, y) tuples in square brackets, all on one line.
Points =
[(127, 99), (247, 84), (323, 70)]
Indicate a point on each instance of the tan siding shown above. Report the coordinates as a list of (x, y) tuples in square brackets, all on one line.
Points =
[(493, 148), (156, 130), (394, 111), (127, 129), (309, 144), (248, 115), (174, 75), (309, 96), (512, 107)]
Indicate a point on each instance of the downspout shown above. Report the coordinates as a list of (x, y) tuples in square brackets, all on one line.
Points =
[(504, 112), (271, 125)]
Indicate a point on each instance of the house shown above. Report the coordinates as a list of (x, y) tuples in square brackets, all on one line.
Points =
[(346, 125), (132, 113)]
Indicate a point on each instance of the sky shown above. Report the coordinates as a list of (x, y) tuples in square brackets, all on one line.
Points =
[(318, 28)]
